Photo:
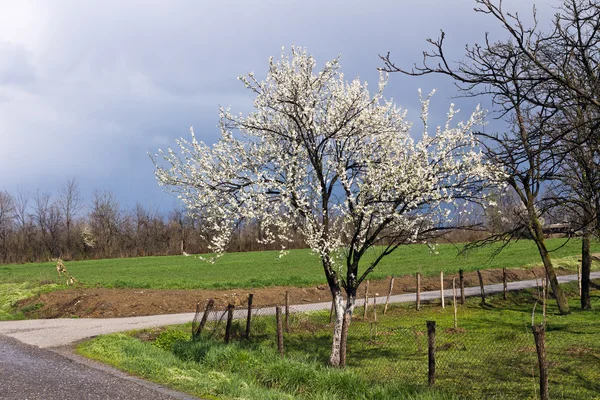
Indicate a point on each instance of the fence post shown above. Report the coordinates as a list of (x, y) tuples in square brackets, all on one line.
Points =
[(462, 286), (454, 302), (387, 300), (544, 295), (209, 306), (540, 345), (442, 288), (230, 308), (375, 307), (249, 317), (418, 290), (482, 287), (279, 330), (431, 351), (504, 282), (195, 323), (287, 311), (366, 299)]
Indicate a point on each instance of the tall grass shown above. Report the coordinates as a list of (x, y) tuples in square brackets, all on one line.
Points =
[(242, 371), (492, 355)]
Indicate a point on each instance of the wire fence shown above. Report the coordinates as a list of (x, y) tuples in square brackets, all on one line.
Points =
[(470, 363), (487, 361)]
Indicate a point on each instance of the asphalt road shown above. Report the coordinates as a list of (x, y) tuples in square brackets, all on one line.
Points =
[(37, 362), (29, 372)]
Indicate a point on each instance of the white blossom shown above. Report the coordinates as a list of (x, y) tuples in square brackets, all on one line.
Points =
[(325, 156), (314, 135)]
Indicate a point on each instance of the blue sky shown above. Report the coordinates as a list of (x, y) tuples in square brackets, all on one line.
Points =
[(88, 88)]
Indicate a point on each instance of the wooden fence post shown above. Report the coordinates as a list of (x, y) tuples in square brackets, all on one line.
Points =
[(418, 290), (230, 308), (431, 351), (287, 311), (540, 345), (197, 330), (544, 295), (442, 288), (462, 286), (209, 306), (482, 287), (504, 282), (454, 302), (387, 300), (366, 299), (249, 317), (279, 330), (375, 306)]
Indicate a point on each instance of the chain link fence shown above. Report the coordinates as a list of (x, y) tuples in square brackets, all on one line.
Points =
[(487, 361)]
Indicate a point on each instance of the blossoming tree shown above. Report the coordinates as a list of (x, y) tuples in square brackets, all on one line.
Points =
[(326, 158)]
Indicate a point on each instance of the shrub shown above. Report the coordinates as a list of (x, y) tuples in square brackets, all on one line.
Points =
[(168, 338)]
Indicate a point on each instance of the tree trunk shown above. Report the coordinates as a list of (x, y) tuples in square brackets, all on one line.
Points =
[(561, 300), (342, 307), (586, 266)]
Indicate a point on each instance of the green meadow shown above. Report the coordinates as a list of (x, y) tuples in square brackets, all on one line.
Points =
[(261, 269)]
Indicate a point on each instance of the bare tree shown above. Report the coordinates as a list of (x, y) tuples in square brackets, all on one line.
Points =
[(532, 78), (105, 221), (576, 195), (7, 222), (70, 203)]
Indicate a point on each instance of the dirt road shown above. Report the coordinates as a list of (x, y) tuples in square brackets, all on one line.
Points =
[(82, 302), (63, 331)]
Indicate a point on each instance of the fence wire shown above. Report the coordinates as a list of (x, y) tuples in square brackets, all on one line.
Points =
[(474, 363)]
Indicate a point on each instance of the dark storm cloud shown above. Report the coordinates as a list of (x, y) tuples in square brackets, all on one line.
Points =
[(87, 88)]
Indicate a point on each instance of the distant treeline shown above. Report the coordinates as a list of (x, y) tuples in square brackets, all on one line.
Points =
[(41, 226)]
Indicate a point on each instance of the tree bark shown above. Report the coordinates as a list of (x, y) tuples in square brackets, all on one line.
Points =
[(561, 300), (344, 341), (586, 266), (341, 309)]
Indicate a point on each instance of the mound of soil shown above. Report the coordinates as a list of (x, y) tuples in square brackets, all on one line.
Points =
[(110, 303)]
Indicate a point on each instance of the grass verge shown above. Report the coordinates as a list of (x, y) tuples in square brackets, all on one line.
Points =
[(11, 293), (241, 371), (490, 355)]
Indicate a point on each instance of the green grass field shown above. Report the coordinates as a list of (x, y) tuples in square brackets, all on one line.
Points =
[(260, 269), (491, 356)]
